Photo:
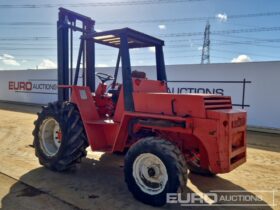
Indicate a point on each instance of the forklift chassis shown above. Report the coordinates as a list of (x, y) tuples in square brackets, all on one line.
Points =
[(164, 134)]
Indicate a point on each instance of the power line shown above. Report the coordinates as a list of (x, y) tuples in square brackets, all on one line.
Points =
[(188, 34), (33, 38), (193, 43), (27, 23), (249, 41), (230, 42), (262, 14), (240, 37), (191, 19), (196, 52), (185, 19), (95, 4), (189, 42), (253, 43), (232, 31), (29, 47)]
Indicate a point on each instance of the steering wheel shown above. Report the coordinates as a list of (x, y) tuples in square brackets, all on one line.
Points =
[(104, 77)]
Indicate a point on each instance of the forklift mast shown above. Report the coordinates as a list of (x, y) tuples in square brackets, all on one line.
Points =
[(123, 39), (68, 23)]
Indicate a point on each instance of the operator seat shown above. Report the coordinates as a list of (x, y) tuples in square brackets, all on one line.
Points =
[(120, 101), (115, 93), (138, 74)]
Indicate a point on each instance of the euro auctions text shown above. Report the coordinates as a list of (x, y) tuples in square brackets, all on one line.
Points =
[(223, 198), (32, 85)]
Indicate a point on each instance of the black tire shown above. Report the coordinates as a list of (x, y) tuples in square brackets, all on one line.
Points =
[(173, 161), (73, 141)]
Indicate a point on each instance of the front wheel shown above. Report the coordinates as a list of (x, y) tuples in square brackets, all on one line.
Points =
[(59, 136), (154, 167)]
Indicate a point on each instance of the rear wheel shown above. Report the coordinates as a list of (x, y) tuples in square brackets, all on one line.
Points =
[(154, 167), (59, 136)]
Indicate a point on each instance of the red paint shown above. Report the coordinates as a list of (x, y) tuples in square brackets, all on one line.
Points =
[(222, 145)]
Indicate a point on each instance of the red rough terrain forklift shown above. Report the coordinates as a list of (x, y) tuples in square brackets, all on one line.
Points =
[(164, 134)]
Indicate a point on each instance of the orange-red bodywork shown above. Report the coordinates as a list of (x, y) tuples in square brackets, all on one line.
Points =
[(207, 122)]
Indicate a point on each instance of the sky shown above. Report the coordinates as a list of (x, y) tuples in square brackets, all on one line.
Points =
[(241, 30)]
